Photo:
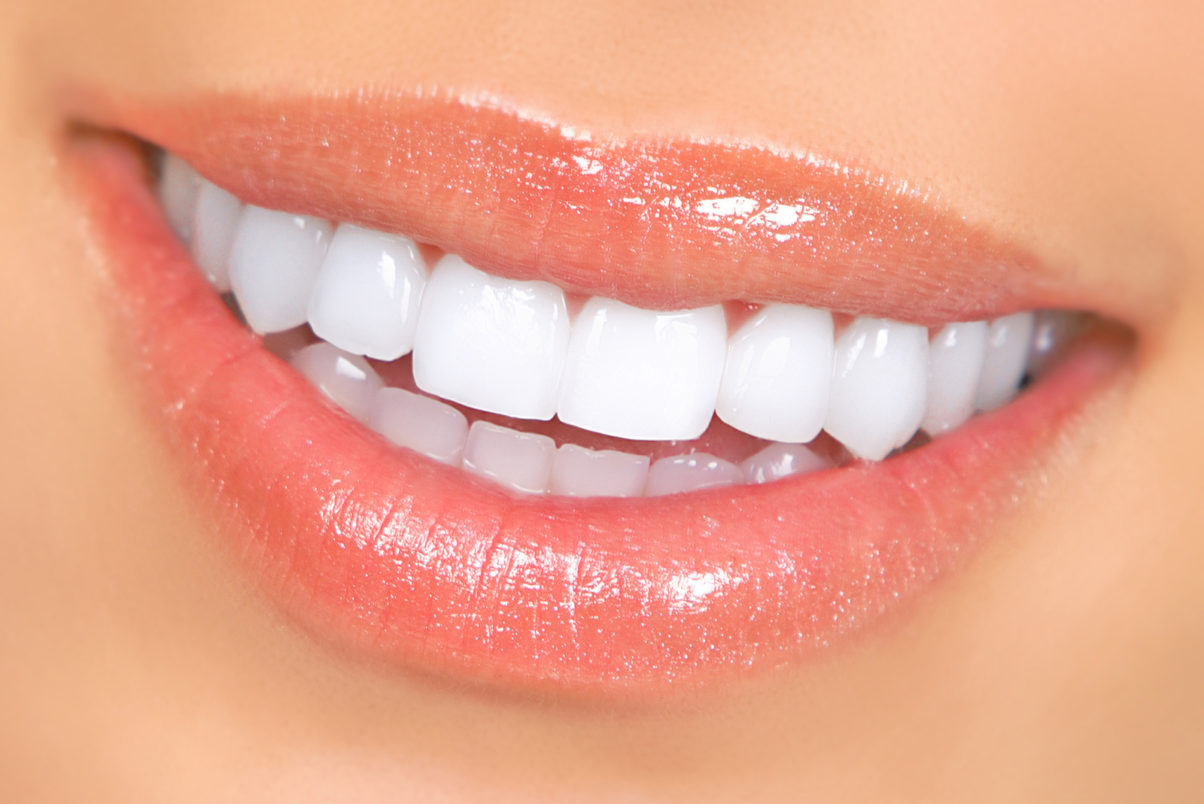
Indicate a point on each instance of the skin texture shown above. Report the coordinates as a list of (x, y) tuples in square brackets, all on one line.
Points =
[(1062, 663)]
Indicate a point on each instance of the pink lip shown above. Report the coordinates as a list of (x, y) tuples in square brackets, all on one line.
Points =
[(656, 224), (401, 558)]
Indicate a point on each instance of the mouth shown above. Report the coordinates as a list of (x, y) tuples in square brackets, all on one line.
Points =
[(481, 395)]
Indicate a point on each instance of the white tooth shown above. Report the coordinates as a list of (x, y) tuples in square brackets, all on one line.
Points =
[(491, 343), (178, 187), (691, 472), (521, 461), (955, 358), (346, 379), (879, 383), (782, 460), (776, 378), (213, 233), (1007, 349), (273, 262), (1052, 330), (365, 299), (420, 423), (643, 374), (581, 472)]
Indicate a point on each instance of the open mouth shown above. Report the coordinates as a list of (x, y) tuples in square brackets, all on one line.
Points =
[(462, 432)]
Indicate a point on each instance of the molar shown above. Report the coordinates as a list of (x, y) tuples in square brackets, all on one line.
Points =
[(178, 188), (1052, 330)]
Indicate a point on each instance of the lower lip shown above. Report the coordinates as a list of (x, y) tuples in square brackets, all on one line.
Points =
[(393, 555)]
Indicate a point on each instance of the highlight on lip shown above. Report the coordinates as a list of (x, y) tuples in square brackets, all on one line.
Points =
[(524, 197), (481, 343), (460, 568)]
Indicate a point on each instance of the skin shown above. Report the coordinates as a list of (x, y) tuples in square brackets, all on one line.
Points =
[(1062, 663)]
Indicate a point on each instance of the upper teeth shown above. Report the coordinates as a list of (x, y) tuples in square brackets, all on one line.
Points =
[(777, 374), (511, 347), (490, 343), (879, 385), (273, 264), (366, 295), (643, 374)]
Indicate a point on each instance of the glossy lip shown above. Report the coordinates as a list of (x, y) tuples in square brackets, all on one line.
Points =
[(655, 223), (412, 561)]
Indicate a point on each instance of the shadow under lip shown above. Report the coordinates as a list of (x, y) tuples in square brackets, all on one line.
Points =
[(422, 565)]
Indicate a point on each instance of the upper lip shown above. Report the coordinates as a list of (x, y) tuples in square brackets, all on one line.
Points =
[(652, 222), (391, 553)]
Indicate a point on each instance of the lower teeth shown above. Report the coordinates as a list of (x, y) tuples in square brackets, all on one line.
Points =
[(530, 462)]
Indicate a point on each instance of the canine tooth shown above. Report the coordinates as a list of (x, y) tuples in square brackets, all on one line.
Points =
[(697, 470), (643, 374), (491, 343), (366, 295), (879, 380), (1008, 341), (273, 262), (178, 188), (346, 379), (581, 472), (521, 461), (420, 423), (213, 228), (955, 359), (781, 460), (776, 378)]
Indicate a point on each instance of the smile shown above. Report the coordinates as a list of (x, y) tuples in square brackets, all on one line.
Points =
[(512, 348), (487, 396)]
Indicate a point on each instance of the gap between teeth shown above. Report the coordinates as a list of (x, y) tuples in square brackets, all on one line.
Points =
[(511, 347)]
